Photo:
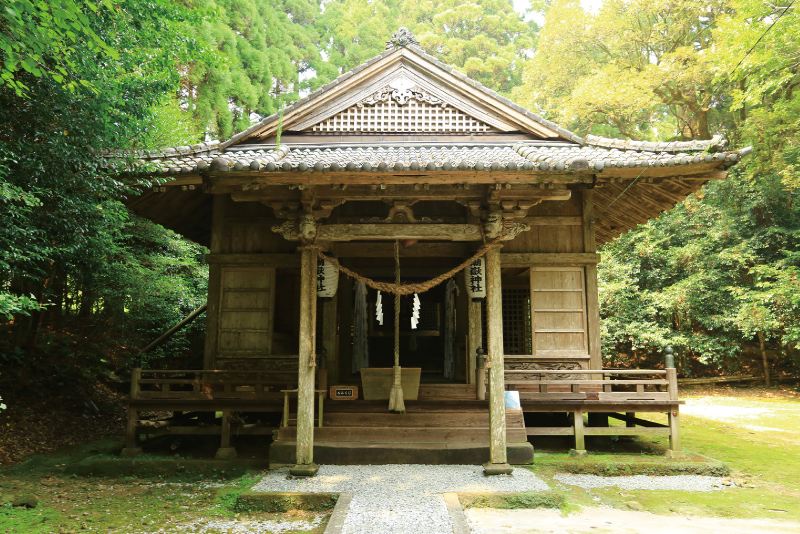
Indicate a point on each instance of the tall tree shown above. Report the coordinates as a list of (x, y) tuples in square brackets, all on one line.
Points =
[(263, 48), (485, 39), (637, 68), (56, 124)]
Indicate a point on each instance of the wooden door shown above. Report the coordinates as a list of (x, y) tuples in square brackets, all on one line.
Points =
[(247, 301), (558, 312)]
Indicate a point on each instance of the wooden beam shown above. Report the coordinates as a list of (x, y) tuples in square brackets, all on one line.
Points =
[(590, 276), (386, 250), (552, 221), (526, 259), (366, 232), (421, 177), (475, 338), (256, 190), (261, 260)]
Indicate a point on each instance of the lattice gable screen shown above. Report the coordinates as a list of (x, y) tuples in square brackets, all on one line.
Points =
[(402, 107)]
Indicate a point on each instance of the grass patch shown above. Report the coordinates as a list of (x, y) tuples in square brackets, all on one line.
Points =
[(509, 501), (612, 465), (754, 440), (285, 502)]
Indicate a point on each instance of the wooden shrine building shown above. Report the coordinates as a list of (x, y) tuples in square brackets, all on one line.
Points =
[(404, 153)]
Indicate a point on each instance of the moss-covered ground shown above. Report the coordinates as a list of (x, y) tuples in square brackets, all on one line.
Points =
[(208, 504)]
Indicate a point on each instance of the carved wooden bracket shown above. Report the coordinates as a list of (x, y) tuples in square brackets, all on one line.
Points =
[(401, 213), (496, 225), (511, 209), (292, 210), (512, 229), (292, 230), (284, 210)]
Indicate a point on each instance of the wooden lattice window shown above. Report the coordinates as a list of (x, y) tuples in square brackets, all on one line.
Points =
[(413, 116), (516, 321)]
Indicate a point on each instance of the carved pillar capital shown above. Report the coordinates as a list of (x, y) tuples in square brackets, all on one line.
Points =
[(307, 227), (493, 226)]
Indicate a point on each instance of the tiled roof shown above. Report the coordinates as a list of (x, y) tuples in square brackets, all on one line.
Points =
[(522, 156)]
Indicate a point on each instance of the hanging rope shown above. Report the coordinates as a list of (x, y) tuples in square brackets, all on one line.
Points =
[(396, 403), (404, 289), (396, 305)]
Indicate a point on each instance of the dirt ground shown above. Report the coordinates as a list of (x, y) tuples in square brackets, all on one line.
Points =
[(598, 520)]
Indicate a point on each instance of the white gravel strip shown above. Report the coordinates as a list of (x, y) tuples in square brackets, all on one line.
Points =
[(244, 526), (645, 482), (400, 499)]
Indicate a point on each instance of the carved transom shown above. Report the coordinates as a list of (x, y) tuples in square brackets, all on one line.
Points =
[(550, 366)]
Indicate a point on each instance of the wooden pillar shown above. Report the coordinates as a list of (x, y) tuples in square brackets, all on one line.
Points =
[(214, 283), (674, 416), (498, 462), (592, 299), (305, 465), (475, 338), (225, 451), (330, 339), (580, 446), (344, 354)]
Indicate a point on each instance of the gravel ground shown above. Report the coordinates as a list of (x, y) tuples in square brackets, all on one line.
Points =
[(400, 499), (245, 526), (644, 482)]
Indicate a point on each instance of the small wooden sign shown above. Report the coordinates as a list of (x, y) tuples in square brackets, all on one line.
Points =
[(344, 392)]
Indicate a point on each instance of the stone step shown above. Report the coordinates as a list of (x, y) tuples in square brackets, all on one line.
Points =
[(403, 435), (282, 453)]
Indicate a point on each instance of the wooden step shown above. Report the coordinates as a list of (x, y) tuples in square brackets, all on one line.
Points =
[(412, 419), (416, 406), (446, 391)]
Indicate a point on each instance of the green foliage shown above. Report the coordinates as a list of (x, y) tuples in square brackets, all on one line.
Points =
[(485, 39), (262, 47), (720, 269), (637, 68), (44, 39), (61, 224)]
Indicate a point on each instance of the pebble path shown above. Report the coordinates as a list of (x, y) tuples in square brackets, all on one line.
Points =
[(400, 499)]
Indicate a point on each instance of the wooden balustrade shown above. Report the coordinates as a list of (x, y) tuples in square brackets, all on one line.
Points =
[(607, 393), (193, 390)]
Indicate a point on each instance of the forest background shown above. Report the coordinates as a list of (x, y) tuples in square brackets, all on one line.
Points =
[(84, 283)]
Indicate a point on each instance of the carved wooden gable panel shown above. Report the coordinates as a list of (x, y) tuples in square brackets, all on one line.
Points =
[(402, 106)]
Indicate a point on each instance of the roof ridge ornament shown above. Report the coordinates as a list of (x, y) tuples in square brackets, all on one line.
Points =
[(401, 38)]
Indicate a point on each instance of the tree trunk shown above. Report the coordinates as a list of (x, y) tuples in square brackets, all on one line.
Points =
[(764, 358)]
